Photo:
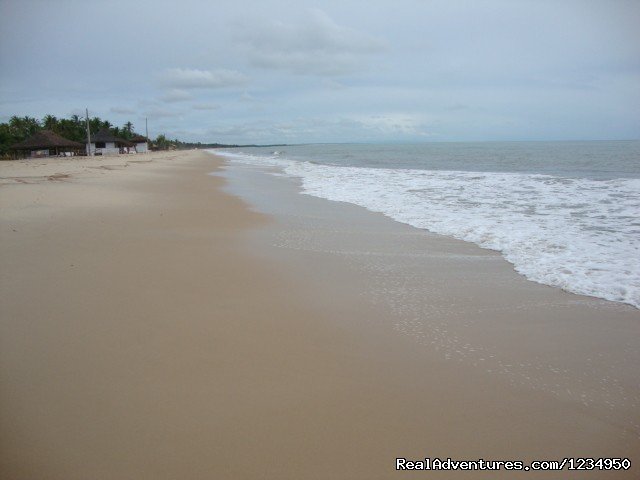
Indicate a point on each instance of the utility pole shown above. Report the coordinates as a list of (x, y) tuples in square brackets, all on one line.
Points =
[(88, 134)]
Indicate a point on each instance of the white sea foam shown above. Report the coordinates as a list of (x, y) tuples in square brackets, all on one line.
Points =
[(581, 235)]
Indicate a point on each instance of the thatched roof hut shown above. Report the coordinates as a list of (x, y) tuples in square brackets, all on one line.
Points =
[(47, 140), (105, 136), (103, 142), (141, 143)]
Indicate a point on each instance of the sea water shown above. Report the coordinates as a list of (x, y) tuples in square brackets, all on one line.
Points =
[(565, 214)]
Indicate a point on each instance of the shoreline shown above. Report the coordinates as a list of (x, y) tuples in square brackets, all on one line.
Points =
[(157, 326), (564, 226)]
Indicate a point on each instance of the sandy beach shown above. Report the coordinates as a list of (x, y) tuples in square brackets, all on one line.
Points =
[(160, 322)]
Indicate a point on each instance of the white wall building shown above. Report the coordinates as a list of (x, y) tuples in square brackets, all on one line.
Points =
[(140, 143), (105, 143)]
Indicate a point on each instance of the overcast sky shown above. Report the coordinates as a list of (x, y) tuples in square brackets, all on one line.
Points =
[(329, 71)]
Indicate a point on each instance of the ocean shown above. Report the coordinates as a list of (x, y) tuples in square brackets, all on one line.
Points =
[(565, 214)]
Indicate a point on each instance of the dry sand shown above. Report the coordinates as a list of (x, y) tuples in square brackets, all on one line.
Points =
[(142, 336)]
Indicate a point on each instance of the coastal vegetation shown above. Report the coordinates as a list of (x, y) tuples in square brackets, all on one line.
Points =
[(18, 129)]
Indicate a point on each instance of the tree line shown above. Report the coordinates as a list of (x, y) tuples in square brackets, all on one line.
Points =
[(74, 128)]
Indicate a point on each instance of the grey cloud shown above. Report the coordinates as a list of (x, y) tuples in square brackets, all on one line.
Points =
[(121, 110), (318, 128), (393, 123), (356, 71), (315, 46), (261, 131), (205, 106), (176, 95), (158, 112), (247, 97), (333, 84), (186, 78)]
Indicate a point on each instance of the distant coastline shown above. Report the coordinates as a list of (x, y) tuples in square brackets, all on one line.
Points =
[(74, 129)]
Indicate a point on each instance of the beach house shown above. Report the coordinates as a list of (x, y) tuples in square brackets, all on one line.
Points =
[(140, 143), (47, 143), (105, 143)]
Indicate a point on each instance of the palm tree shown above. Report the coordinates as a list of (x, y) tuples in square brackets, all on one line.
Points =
[(128, 127), (23, 127), (50, 122), (95, 124)]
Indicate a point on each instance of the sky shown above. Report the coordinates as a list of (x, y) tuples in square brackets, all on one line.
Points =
[(329, 71)]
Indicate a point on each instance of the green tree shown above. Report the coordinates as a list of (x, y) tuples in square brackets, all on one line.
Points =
[(72, 129), (95, 124), (127, 130), (23, 127), (161, 142), (6, 139), (50, 122)]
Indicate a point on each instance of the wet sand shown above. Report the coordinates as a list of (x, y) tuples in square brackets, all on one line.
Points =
[(158, 322)]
